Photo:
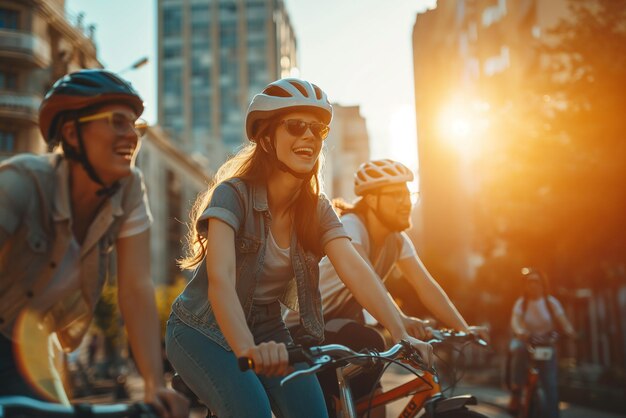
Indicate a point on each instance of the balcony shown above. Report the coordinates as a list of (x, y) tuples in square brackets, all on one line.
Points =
[(19, 107), (24, 47)]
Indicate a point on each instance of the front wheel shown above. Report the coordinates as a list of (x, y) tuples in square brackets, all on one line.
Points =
[(461, 413)]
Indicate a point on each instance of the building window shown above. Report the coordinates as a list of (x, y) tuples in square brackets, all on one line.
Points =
[(172, 21), (9, 19), (8, 80), (172, 81), (7, 141)]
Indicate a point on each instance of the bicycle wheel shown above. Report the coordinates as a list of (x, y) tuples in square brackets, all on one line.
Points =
[(461, 413)]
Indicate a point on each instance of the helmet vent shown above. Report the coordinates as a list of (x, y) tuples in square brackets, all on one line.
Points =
[(114, 78), (84, 81), (374, 174), (300, 88), (276, 92), (318, 92)]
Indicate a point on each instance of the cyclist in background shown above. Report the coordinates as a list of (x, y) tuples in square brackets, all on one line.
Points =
[(257, 236), (536, 314), (376, 223), (61, 215)]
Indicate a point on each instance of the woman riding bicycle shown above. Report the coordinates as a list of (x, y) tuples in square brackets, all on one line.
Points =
[(257, 236), (376, 225), (61, 215), (536, 315)]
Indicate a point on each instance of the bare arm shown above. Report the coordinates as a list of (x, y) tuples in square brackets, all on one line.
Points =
[(270, 358), (365, 285), (138, 307), (222, 292), (431, 294), (368, 290)]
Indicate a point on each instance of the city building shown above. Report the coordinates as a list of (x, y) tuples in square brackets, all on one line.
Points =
[(39, 42), (214, 55), (346, 147)]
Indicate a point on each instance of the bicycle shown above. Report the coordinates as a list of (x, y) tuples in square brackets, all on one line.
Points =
[(425, 388), (540, 349), (23, 407)]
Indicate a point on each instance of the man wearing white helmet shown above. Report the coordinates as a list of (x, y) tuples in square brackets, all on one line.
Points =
[(376, 223)]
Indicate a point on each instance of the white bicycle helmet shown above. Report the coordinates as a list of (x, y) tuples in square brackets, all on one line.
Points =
[(290, 94), (377, 173)]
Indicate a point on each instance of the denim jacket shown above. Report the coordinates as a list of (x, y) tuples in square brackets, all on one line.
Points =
[(36, 215), (244, 207)]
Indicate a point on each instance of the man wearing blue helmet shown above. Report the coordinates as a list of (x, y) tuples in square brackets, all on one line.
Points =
[(62, 215)]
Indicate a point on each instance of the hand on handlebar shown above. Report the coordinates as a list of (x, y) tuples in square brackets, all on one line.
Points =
[(424, 350), (416, 328), (269, 358)]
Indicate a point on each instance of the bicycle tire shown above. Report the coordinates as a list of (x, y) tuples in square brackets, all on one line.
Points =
[(461, 413)]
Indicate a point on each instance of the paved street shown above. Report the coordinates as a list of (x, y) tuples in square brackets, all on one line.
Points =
[(492, 400)]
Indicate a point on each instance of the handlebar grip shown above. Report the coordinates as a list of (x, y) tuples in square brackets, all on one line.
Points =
[(297, 354), (245, 363)]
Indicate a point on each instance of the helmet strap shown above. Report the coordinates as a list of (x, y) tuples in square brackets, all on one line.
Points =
[(283, 167), (81, 156)]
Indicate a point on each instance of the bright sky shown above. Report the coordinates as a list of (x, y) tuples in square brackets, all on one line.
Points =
[(358, 51)]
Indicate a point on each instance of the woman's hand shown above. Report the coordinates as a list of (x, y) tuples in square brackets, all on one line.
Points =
[(270, 358), (424, 349), (415, 327)]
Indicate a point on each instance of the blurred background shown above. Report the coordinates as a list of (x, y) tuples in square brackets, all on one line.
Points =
[(511, 113)]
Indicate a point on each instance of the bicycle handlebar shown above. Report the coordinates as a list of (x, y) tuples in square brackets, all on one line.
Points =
[(21, 406), (320, 356)]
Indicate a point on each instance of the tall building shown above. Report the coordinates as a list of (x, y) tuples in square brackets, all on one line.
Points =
[(472, 53), (39, 42), (214, 55), (347, 147)]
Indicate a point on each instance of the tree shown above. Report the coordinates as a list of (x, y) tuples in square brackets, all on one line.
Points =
[(553, 192)]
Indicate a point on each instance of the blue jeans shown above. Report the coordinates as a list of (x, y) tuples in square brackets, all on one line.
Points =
[(548, 375), (214, 376)]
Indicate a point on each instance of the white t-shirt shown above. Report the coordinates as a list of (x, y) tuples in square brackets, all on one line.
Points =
[(276, 273), (537, 317), (66, 279), (334, 293)]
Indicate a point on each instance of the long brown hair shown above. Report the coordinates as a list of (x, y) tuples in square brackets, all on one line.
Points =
[(254, 165), (358, 207)]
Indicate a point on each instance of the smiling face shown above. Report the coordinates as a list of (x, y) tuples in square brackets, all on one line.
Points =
[(110, 142), (392, 205), (298, 152)]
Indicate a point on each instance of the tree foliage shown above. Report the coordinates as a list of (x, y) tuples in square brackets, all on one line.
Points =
[(554, 194)]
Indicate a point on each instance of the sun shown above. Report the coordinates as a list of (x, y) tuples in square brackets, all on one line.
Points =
[(462, 123)]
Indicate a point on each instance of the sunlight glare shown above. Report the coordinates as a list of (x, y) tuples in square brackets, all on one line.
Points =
[(462, 123), (403, 140)]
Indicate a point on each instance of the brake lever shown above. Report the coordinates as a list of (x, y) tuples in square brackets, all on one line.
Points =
[(319, 363)]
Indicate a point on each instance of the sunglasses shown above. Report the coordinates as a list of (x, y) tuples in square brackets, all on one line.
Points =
[(297, 127), (119, 122), (400, 196)]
